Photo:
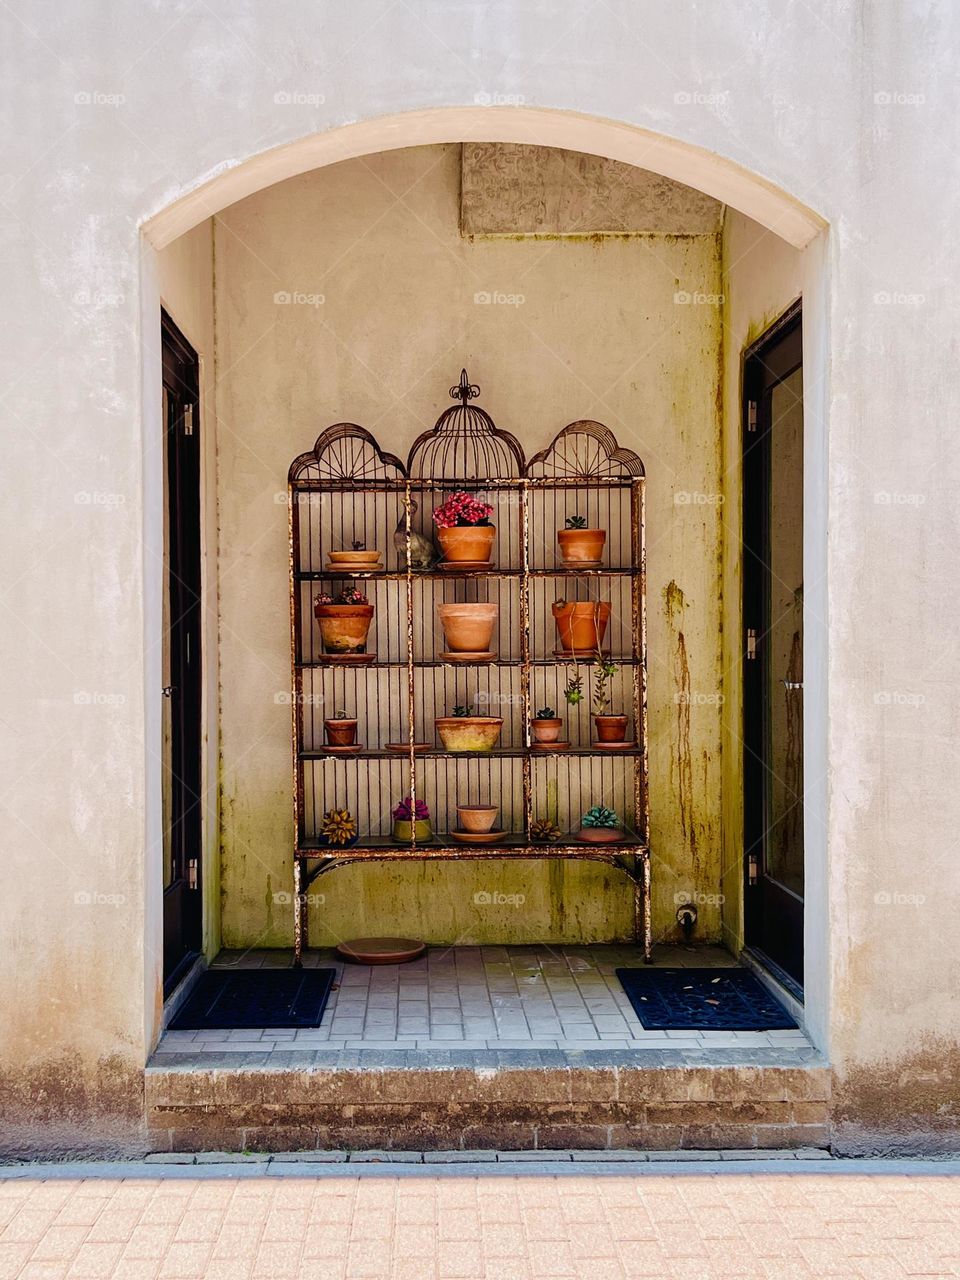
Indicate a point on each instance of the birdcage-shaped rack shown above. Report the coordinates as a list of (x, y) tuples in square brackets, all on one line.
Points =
[(361, 520)]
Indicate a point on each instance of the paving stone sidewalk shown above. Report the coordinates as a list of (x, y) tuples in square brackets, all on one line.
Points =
[(506, 1219)]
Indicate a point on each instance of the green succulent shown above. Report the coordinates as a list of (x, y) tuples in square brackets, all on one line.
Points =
[(461, 711), (546, 713), (576, 522), (600, 816), (574, 690)]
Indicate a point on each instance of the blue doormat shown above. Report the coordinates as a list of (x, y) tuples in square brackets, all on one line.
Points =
[(234, 999), (703, 1000)]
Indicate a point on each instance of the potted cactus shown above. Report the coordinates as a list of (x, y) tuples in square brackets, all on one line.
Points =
[(411, 822), (611, 729), (580, 547), (600, 825), (464, 530), (341, 730), (465, 732), (344, 620), (546, 725), (581, 624)]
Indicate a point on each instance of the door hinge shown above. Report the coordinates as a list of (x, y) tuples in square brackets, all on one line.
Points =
[(192, 874), (753, 869), (188, 419), (751, 415), (751, 643)]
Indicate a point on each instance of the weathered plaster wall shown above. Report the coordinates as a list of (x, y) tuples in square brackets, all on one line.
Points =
[(593, 330), (185, 271)]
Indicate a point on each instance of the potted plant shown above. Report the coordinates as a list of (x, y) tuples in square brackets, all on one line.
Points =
[(600, 826), (411, 821), (344, 620), (465, 732), (580, 547), (341, 730), (610, 728), (546, 725), (357, 560), (464, 530), (338, 828), (581, 624), (468, 627), (476, 817)]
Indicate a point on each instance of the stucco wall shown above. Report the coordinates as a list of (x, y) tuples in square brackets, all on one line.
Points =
[(583, 330)]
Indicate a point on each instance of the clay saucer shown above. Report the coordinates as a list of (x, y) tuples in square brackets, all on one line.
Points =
[(381, 950), (361, 561), (580, 655), (549, 746), (581, 564), (463, 566), (401, 748), (352, 749), (615, 746), (479, 655), (477, 837), (348, 659)]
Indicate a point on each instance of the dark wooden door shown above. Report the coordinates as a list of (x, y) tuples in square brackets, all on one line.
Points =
[(773, 648), (182, 890)]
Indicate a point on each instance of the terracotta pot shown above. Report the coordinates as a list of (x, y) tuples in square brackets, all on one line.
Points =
[(583, 547), (355, 560), (546, 730), (611, 728), (344, 627), (477, 817), (468, 627), (467, 542), (601, 835), (581, 624), (403, 830), (469, 733), (341, 733)]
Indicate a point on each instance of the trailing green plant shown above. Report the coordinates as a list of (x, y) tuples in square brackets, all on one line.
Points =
[(576, 522), (546, 713), (600, 816), (604, 673)]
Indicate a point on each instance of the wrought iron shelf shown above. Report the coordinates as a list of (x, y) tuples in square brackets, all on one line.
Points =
[(349, 491)]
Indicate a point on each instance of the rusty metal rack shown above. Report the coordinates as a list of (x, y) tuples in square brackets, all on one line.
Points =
[(347, 489)]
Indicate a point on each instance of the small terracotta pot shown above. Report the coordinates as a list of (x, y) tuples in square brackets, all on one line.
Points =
[(344, 627), (403, 830), (341, 733), (611, 728), (546, 730), (468, 627), (581, 624), (467, 542), (477, 817), (581, 547), (355, 560), (601, 835), (469, 733)]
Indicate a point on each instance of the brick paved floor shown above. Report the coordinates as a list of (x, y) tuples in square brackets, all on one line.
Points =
[(533, 998), (699, 1221)]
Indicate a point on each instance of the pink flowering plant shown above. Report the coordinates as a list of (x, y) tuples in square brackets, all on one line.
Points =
[(406, 811), (462, 509), (349, 595)]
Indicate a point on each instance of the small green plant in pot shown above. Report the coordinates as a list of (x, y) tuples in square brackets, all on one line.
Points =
[(344, 620), (611, 728), (341, 730), (464, 731), (411, 822), (580, 547), (546, 725), (600, 825)]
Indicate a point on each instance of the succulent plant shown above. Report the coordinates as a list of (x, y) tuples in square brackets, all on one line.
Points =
[(359, 546), (576, 522), (546, 713), (604, 673), (600, 816), (350, 595), (404, 811), (574, 690), (341, 715), (543, 831), (338, 827), (461, 711)]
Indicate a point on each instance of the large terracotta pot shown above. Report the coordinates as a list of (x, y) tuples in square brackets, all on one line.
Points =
[(477, 817), (341, 733), (581, 548), (403, 830), (467, 542), (468, 627), (611, 728), (581, 624), (469, 733), (344, 627)]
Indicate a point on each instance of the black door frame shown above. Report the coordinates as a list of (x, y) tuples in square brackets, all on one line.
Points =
[(773, 914), (183, 897)]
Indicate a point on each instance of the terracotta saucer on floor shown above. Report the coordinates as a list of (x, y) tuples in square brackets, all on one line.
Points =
[(381, 950)]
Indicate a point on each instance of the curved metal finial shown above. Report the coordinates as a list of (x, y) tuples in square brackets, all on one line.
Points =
[(465, 390)]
